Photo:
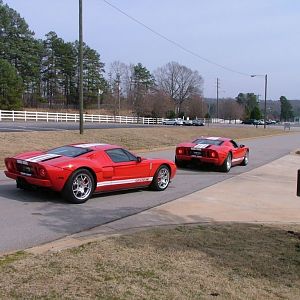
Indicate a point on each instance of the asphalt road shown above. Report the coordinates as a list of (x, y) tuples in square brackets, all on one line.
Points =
[(60, 126), (32, 218), (20, 126)]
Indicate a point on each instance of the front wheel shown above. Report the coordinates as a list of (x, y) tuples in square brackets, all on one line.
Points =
[(226, 166), (79, 187), (161, 178)]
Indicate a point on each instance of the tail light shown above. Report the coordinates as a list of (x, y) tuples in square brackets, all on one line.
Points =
[(213, 154), (180, 151)]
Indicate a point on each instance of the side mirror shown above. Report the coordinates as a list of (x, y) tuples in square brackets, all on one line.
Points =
[(138, 159), (242, 146)]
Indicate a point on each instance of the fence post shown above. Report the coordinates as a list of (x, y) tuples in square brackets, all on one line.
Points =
[(298, 184), (13, 115)]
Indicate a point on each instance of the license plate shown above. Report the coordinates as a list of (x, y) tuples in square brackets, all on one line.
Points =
[(197, 153)]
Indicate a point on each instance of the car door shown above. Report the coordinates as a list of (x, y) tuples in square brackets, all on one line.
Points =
[(127, 171), (237, 152)]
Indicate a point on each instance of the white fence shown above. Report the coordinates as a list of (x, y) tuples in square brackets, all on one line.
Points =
[(12, 115)]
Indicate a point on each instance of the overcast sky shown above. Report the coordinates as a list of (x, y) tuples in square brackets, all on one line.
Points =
[(248, 36)]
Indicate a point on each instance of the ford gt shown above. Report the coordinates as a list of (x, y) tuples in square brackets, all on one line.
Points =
[(79, 170), (217, 151)]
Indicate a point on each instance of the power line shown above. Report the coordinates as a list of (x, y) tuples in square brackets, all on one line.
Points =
[(173, 42)]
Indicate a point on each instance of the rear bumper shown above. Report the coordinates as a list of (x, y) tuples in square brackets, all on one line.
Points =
[(199, 159), (30, 180)]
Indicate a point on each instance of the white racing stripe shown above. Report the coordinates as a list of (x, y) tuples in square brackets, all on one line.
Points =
[(200, 146), (124, 181), (88, 145), (42, 157), (213, 138)]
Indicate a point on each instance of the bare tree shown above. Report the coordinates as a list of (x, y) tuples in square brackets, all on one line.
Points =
[(157, 105), (178, 82), (195, 107), (230, 109)]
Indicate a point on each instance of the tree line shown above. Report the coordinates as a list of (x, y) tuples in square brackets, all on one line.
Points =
[(44, 73)]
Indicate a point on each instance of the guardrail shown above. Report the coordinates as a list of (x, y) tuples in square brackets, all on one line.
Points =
[(13, 115)]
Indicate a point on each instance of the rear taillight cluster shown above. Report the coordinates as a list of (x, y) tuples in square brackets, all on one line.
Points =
[(209, 153), (212, 154), (182, 151)]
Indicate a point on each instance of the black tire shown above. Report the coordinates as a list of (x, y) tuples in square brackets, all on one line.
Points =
[(246, 159), (180, 163), (226, 166), (79, 187), (161, 178)]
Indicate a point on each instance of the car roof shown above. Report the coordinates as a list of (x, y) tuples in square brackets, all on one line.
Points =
[(95, 146), (215, 138)]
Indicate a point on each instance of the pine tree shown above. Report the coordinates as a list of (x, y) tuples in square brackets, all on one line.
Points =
[(11, 86)]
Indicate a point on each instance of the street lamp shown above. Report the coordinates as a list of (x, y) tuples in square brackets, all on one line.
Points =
[(265, 105)]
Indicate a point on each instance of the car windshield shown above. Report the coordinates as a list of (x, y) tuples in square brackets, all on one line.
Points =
[(208, 142), (69, 151)]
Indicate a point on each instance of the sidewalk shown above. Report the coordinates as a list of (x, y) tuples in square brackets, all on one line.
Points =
[(264, 195)]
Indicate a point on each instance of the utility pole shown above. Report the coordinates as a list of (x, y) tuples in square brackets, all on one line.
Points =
[(80, 71), (266, 88), (265, 104), (217, 99)]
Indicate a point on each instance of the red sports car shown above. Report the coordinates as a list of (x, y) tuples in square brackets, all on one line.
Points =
[(217, 151), (79, 170)]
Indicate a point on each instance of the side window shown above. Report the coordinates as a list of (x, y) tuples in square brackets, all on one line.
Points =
[(120, 155), (234, 144), (130, 155)]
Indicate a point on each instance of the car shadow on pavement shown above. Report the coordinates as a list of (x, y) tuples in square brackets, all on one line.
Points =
[(46, 195), (11, 192)]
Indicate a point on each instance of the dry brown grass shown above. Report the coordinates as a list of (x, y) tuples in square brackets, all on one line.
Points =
[(236, 261), (131, 138)]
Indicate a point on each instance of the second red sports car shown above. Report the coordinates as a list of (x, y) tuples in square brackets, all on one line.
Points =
[(217, 151), (80, 170)]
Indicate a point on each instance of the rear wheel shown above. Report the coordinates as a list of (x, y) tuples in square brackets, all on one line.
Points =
[(161, 178), (246, 159), (79, 187), (180, 163), (226, 166)]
